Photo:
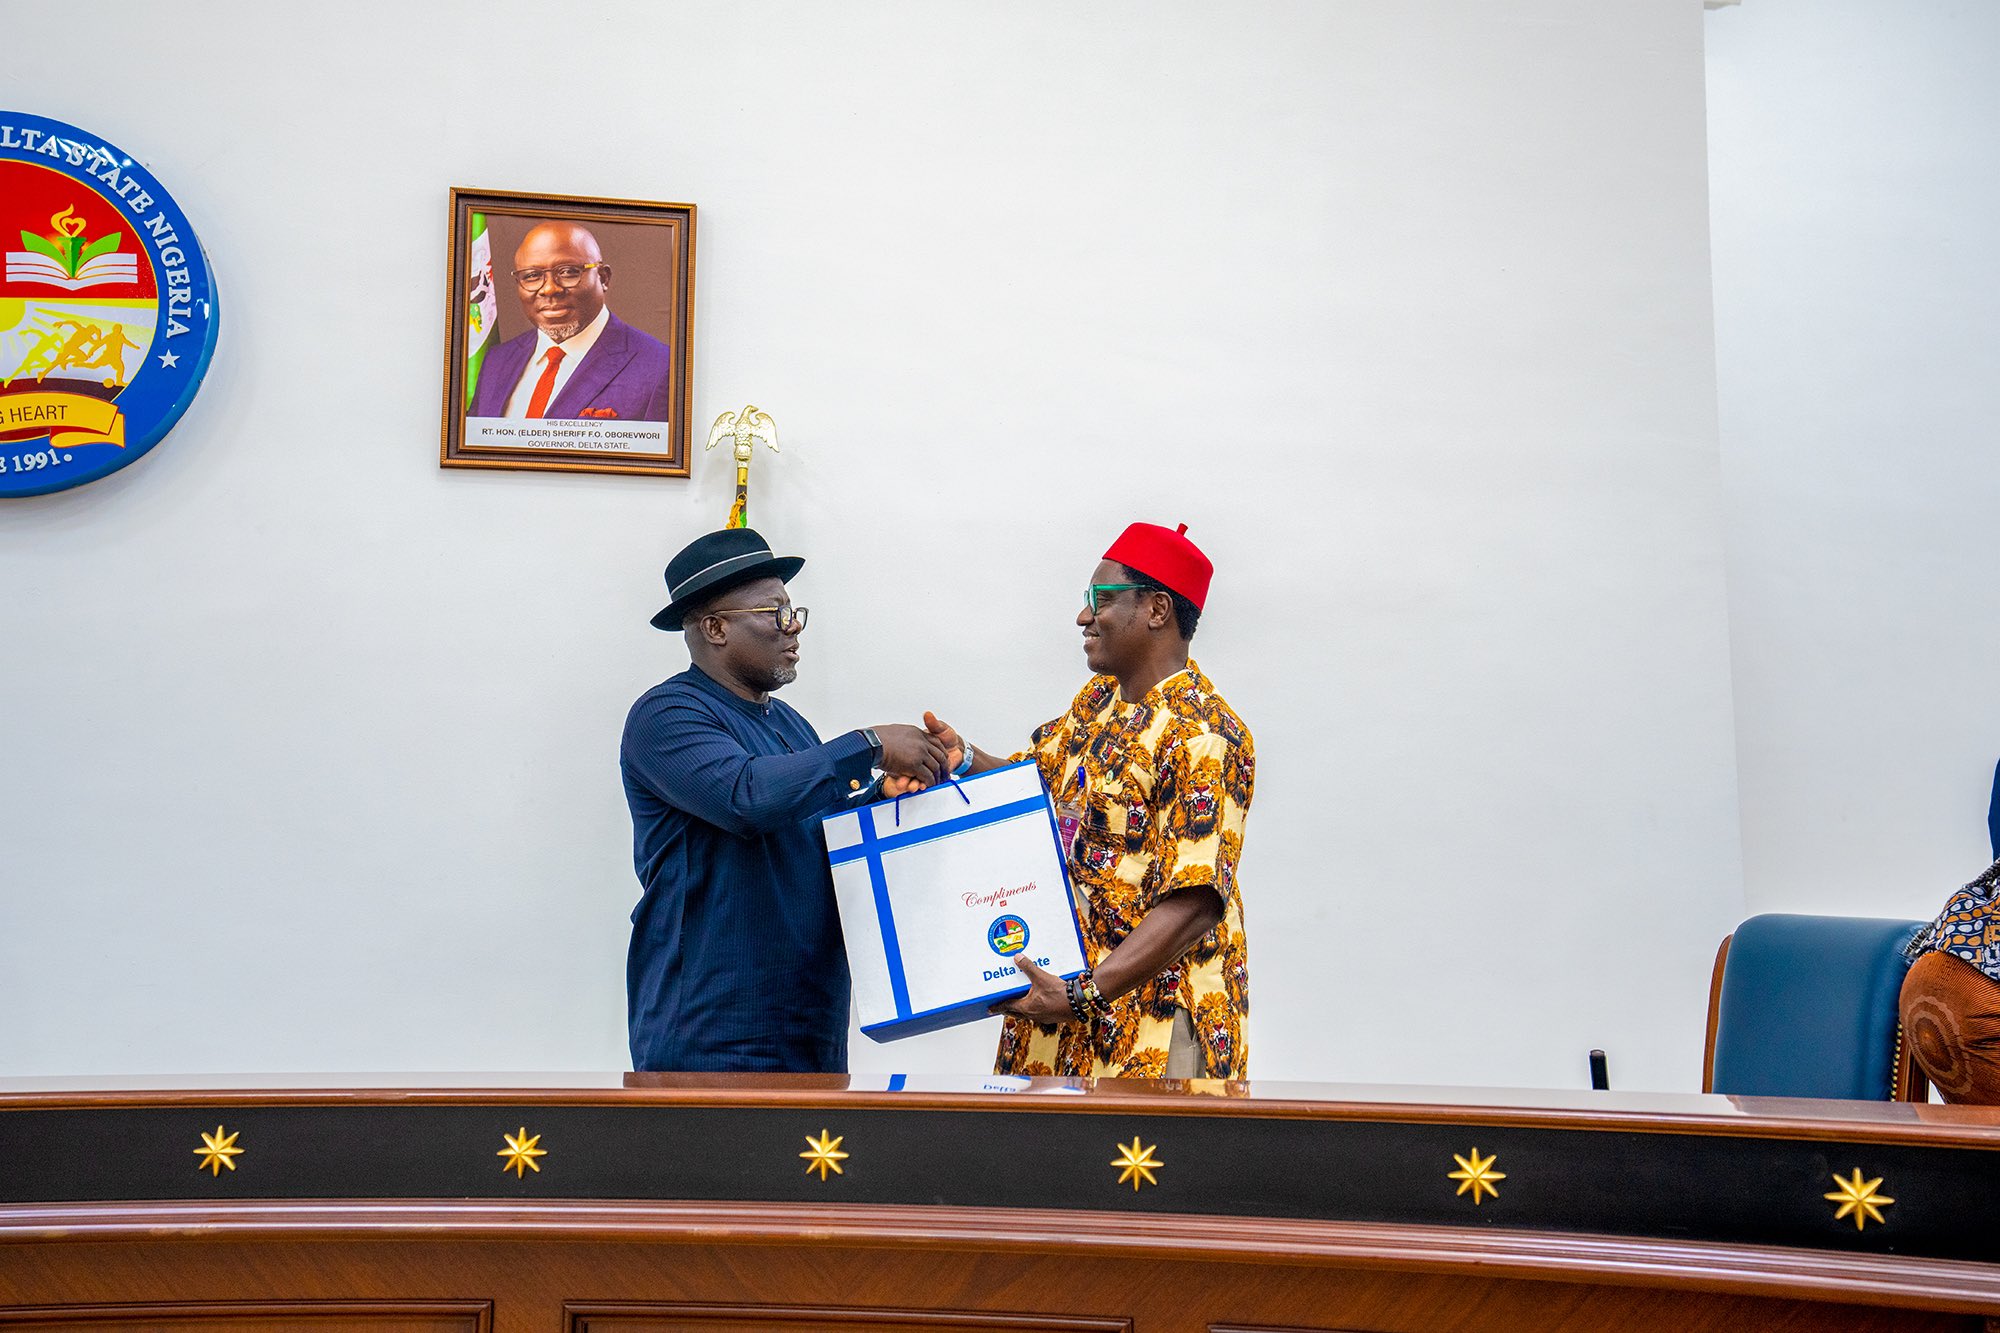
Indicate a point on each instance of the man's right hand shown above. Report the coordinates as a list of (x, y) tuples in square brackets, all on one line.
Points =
[(947, 736), (913, 752)]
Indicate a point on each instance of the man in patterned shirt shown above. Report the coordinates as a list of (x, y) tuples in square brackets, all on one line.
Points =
[(1151, 773)]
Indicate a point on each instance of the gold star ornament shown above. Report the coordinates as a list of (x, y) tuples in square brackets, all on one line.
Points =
[(217, 1151), (1858, 1196), (521, 1153), (823, 1154), (1136, 1164), (1476, 1173)]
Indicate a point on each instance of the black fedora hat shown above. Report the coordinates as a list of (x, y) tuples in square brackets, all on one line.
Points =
[(716, 562)]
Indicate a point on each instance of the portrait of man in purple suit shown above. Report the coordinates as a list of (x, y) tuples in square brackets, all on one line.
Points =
[(578, 360)]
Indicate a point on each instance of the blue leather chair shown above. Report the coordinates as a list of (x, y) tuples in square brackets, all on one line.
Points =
[(1805, 1006), (1993, 815)]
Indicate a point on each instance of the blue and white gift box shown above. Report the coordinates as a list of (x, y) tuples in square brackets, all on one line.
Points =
[(939, 890)]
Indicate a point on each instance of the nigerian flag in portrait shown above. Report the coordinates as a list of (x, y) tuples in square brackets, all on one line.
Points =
[(481, 307)]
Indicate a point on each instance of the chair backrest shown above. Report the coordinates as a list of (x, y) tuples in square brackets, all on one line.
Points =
[(1805, 1006)]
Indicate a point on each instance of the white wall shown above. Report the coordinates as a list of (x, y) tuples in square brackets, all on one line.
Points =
[(1855, 161), (310, 746)]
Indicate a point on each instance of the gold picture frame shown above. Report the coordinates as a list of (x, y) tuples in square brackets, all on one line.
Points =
[(588, 370)]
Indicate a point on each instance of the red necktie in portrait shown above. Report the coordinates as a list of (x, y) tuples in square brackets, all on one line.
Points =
[(546, 384)]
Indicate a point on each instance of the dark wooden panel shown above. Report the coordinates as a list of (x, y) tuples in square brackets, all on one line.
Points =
[(634, 1318), (1245, 1327), (1642, 1183), (1265, 1328), (256, 1317), (534, 1281), (687, 1205), (47, 1232)]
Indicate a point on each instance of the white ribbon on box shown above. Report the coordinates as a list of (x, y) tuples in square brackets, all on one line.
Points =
[(937, 891)]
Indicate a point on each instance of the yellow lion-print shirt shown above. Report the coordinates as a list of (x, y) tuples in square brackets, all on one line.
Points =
[(1164, 785)]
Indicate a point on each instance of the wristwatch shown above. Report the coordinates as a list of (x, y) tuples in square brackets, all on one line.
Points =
[(874, 747)]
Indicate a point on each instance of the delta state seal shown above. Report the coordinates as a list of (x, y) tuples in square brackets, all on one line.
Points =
[(107, 308), (1007, 935)]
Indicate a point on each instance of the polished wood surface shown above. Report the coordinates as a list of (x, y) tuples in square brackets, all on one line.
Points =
[(1714, 1014), (1704, 1113), (549, 1284), (502, 1256)]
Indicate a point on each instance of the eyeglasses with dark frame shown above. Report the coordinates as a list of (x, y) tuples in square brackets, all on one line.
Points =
[(788, 619), (566, 275), (1090, 594)]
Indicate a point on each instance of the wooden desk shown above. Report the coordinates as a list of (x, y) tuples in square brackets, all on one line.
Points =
[(696, 1203)]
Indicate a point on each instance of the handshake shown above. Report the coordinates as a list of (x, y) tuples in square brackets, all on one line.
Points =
[(914, 758)]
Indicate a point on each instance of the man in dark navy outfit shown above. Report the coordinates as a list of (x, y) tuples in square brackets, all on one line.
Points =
[(737, 960)]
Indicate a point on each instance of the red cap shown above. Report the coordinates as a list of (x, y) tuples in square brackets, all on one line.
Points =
[(1168, 557)]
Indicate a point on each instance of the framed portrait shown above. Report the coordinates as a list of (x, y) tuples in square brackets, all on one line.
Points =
[(567, 332)]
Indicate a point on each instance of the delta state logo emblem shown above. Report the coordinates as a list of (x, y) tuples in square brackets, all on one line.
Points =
[(107, 308), (1007, 936)]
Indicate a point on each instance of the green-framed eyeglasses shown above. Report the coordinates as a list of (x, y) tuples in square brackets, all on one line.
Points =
[(1091, 594), (788, 619)]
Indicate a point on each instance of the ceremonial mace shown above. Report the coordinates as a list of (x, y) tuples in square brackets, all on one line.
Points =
[(746, 428)]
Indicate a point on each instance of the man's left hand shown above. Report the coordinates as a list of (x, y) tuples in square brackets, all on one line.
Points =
[(1047, 1000)]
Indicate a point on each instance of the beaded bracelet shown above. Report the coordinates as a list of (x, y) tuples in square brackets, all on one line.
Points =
[(1074, 992), (1087, 983)]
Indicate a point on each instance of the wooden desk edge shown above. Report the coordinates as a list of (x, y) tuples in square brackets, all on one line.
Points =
[(1869, 1279), (1863, 1122)]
